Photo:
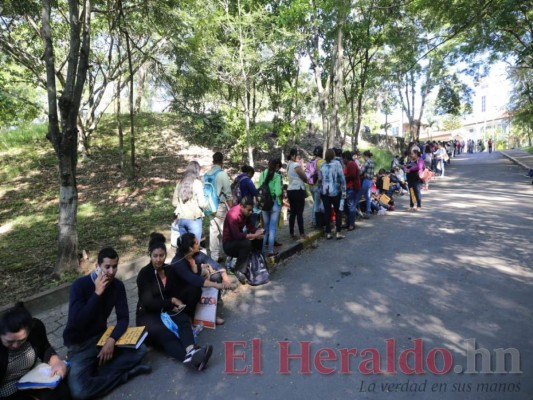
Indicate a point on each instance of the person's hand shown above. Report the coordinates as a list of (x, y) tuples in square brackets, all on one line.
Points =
[(100, 283), (259, 232), (106, 353), (57, 366), (175, 301)]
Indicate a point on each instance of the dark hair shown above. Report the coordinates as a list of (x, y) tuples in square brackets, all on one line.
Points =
[(347, 155), (272, 167), (330, 155), (246, 169), (185, 242), (382, 171), (157, 241), (338, 152), (417, 152), (367, 153), (107, 252), (293, 152), (246, 201), (318, 151), (15, 319), (218, 158)]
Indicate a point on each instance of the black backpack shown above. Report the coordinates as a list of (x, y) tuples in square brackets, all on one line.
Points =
[(257, 272), (236, 189), (265, 202)]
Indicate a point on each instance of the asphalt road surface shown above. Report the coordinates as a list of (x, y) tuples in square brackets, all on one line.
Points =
[(435, 304)]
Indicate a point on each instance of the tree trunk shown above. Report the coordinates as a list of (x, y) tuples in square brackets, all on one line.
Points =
[(337, 73), (140, 88), (63, 134), (120, 131)]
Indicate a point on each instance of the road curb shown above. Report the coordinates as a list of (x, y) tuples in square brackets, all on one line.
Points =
[(59, 295), (516, 161)]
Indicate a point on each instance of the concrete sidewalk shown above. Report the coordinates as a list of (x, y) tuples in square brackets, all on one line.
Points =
[(520, 157)]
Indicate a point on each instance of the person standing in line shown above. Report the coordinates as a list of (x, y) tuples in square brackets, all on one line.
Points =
[(272, 178), (333, 189), (367, 174), (216, 221), (311, 173), (353, 185), (189, 201), (296, 193), (413, 180)]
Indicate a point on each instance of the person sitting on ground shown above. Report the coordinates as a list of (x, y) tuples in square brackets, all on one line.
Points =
[(192, 270), (237, 242), (272, 178), (189, 201), (333, 189), (157, 294), (386, 184), (24, 345), (95, 371)]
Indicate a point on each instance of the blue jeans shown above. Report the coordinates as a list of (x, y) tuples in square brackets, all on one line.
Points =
[(317, 203), (193, 226), (351, 206), (87, 380), (365, 190), (392, 189), (270, 224)]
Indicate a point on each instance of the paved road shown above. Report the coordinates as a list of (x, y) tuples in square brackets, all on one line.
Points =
[(457, 274)]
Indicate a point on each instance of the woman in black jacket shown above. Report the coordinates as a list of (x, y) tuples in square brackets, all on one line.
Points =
[(158, 294), (24, 341)]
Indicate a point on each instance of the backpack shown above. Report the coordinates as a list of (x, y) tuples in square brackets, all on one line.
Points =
[(236, 194), (311, 172), (210, 193), (265, 202), (257, 272)]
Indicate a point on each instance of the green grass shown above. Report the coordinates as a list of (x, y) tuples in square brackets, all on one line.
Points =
[(528, 149)]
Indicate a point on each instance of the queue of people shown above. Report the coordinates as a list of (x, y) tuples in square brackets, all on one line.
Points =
[(168, 293)]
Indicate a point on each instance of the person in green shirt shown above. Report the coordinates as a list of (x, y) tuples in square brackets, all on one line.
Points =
[(270, 218)]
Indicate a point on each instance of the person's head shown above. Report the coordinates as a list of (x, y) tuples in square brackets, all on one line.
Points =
[(357, 154), (382, 171), (248, 170), (338, 152), (218, 158), (157, 250), (317, 152), (246, 204), (330, 155), (15, 327), (108, 262), (415, 155), (347, 156), (274, 164), (368, 154), (192, 172), (188, 244), (293, 154)]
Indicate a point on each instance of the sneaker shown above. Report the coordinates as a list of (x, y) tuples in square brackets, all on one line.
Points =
[(328, 236), (207, 356), (195, 355), (391, 208), (338, 236)]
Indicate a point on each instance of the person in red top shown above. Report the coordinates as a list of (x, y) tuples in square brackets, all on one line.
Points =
[(235, 241), (353, 184)]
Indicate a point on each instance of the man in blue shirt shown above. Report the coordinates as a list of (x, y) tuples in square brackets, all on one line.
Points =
[(96, 371)]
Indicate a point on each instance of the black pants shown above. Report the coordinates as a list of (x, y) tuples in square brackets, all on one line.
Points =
[(160, 336), (297, 203), (242, 250), (61, 392)]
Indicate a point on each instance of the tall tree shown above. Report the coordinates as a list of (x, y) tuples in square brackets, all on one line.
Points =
[(62, 120)]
